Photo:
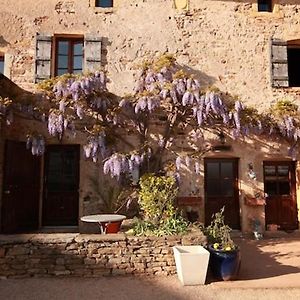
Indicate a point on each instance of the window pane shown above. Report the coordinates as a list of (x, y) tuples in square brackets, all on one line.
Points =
[(77, 63), (283, 170), (264, 5), (1, 66), (62, 71), (62, 62), (77, 71), (270, 188), (227, 188), (212, 170), (284, 188), (104, 3), (213, 188), (293, 65), (63, 47), (78, 48), (226, 170), (270, 170)]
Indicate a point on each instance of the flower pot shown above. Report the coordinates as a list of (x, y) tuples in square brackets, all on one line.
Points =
[(191, 264), (224, 265), (111, 227)]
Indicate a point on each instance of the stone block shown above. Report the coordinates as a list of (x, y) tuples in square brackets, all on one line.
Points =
[(102, 272), (60, 261), (18, 250), (89, 261), (62, 273), (2, 252), (118, 272)]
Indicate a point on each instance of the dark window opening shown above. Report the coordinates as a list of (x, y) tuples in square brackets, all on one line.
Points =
[(2, 64), (220, 179), (69, 56), (294, 65), (264, 5), (104, 3), (277, 179)]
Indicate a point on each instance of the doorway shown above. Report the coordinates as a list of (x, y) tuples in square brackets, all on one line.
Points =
[(21, 189), (61, 186), (221, 189), (280, 190)]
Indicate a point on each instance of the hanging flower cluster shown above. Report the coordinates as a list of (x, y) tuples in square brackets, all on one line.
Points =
[(76, 88), (79, 94), (56, 123), (161, 85), (96, 146), (119, 164), (36, 143)]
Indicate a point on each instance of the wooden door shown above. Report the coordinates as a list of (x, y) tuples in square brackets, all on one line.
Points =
[(280, 190), (221, 189), (61, 184), (21, 188)]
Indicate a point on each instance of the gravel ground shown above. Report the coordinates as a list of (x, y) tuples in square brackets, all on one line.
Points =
[(129, 288)]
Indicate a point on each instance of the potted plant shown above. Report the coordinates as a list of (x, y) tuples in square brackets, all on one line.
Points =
[(225, 255)]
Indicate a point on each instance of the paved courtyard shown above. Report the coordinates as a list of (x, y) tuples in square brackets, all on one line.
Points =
[(270, 270)]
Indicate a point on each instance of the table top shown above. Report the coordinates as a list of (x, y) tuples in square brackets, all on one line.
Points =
[(103, 218)]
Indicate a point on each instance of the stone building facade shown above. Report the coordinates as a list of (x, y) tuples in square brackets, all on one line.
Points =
[(228, 44)]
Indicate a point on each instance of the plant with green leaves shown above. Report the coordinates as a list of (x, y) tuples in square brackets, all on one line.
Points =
[(171, 226), (157, 197), (218, 233)]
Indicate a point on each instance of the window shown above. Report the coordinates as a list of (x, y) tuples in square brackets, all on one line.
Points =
[(277, 178), (264, 5), (57, 55), (68, 56), (293, 54), (2, 63), (104, 3)]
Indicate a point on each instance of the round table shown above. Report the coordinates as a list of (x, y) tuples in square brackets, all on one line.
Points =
[(103, 219)]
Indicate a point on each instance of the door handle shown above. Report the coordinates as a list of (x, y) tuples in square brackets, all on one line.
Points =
[(7, 192)]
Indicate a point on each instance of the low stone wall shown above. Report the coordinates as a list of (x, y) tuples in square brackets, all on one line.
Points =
[(89, 255)]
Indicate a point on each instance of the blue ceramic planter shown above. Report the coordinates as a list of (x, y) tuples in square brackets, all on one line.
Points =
[(224, 265)]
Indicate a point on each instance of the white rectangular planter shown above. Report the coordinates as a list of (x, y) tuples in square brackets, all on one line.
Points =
[(191, 264)]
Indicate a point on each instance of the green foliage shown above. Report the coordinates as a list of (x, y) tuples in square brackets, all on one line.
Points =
[(142, 227), (171, 226), (283, 108), (157, 195), (218, 233), (48, 84)]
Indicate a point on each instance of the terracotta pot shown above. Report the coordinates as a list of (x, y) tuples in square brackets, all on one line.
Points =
[(112, 227)]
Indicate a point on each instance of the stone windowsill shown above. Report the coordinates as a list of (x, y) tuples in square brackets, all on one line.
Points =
[(103, 10), (275, 14)]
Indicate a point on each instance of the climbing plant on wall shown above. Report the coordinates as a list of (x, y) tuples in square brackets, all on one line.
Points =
[(166, 105)]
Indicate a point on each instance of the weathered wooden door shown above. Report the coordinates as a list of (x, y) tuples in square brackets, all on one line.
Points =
[(221, 189), (61, 184), (21, 187), (280, 189)]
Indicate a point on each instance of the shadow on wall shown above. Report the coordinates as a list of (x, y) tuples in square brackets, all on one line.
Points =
[(3, 42), (205, 79)]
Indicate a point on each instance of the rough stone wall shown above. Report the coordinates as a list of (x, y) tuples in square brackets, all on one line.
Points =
[(89, 255), (226, 43)]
